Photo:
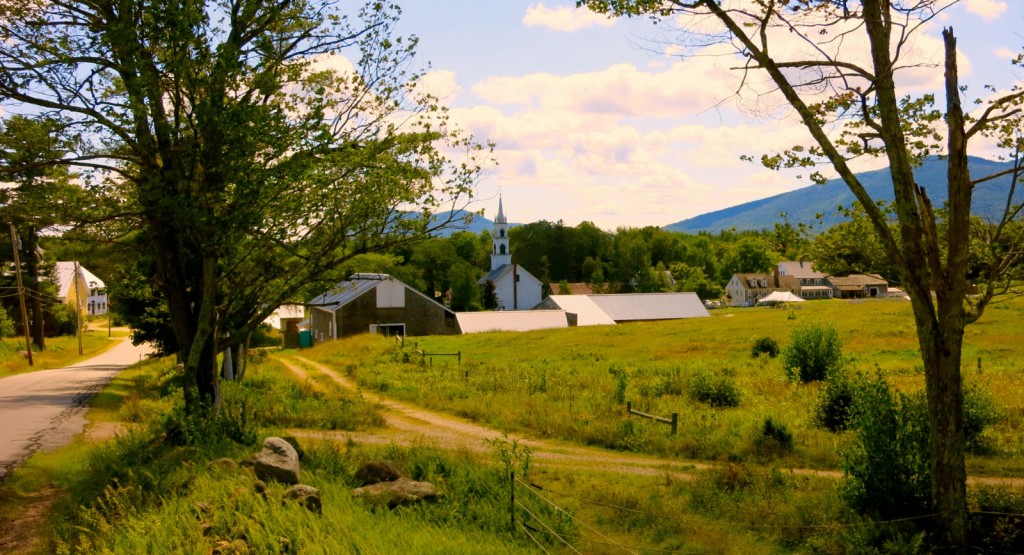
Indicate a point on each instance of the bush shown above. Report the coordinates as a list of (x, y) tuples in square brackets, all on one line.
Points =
[(888, 475), (6, 324), (813, 353), (776, 434), (766, 346), (834, 405), (717, 391), (980, 412), (62, 319)]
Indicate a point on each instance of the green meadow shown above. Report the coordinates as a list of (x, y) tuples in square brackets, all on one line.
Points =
[(151, 484), (573, 383)]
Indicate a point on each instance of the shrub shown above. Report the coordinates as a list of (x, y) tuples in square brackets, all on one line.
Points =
[(834, 404), (887, 469), (764, 346), (717, 391), (6, 324), (776, 434), (980, 412), (813, 353)]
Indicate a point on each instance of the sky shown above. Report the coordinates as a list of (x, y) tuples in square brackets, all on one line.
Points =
[(605, 120)]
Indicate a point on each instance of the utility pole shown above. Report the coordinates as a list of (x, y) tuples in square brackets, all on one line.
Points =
[(78, 306), (21, 294)]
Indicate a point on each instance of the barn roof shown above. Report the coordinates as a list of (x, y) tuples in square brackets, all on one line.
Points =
[(800, 269), (586, 311), (631, 307), (511, 320), (354, 287)]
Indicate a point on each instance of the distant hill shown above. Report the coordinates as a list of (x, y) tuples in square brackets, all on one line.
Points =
[(476, 224), (802, 205)]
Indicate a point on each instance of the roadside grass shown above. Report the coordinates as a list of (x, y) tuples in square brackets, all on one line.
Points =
[(60, 352), (573, 383), (149, 490)]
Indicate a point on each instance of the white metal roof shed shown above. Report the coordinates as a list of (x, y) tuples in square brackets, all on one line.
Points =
[(511, 320), (631, 307), (586, 311)]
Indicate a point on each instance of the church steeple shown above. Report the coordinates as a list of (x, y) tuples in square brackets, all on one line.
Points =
[(501, 252), (500, 218)]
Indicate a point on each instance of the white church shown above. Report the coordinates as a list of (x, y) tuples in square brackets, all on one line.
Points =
[(515, 288)]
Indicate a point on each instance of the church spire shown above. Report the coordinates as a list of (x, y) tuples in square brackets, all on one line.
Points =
[(501, 251), (500, 218)]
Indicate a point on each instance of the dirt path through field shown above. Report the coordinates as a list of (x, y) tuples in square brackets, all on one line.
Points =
[(411, 425)]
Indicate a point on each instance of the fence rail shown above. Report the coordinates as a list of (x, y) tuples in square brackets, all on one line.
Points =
[(424, 355), (673, 421)]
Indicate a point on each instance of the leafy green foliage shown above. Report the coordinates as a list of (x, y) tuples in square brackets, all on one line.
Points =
[(775, 434), (888, 472), (6, 324), (764, 346), (836, 401), (814, 352), (715, 389)]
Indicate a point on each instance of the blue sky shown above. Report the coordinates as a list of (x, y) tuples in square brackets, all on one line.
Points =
[(594, 120)]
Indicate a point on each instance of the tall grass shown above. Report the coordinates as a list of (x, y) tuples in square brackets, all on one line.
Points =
[(571, 383)]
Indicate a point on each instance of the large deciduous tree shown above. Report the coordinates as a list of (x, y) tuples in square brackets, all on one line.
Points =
[(254, 145), (838, 64), (41, 196)]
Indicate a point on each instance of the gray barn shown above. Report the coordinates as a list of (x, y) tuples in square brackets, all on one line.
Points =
[(377, 303)]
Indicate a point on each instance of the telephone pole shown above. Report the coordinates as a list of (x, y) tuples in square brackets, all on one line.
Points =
[(21, 294)]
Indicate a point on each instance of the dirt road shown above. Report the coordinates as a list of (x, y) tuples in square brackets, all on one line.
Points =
[(46, 409)]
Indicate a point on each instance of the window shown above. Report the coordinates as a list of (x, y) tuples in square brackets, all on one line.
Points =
[(501, 249), (501, 233)]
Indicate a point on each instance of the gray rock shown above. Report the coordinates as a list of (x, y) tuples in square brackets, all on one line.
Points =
[(277, 461), (375, 472), (398, 493), (307, 496)]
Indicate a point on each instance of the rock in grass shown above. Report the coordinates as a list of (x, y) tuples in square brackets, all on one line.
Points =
[(224, 463), (375, 472), (307, 496), (277, 461), (398, 493)]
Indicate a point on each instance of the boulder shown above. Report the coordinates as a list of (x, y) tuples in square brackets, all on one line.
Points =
[(397, 493), (375, 472), (307, 496), (277, 461), (224, 463)]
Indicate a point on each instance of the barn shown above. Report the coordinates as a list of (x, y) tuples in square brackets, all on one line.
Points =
[(377, 303)]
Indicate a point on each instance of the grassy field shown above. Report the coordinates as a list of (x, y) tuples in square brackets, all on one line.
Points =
[(60, 351), (572, 383), (154, 489)]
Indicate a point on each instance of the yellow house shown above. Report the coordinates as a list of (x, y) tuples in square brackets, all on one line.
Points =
[(72, 287)]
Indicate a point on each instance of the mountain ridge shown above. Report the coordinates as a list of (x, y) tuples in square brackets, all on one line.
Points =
[(805, 204)]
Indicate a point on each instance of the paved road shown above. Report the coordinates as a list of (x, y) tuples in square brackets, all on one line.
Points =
[(46, 409)]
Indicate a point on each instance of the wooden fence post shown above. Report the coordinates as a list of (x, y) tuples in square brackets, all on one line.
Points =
[(675, 422)]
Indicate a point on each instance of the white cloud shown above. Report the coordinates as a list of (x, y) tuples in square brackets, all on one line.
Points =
[(989, 10), (564, 18)]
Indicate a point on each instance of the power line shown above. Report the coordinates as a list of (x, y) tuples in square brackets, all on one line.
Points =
[(741, 525), (548, 528), (573, 517), (521, 525)]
